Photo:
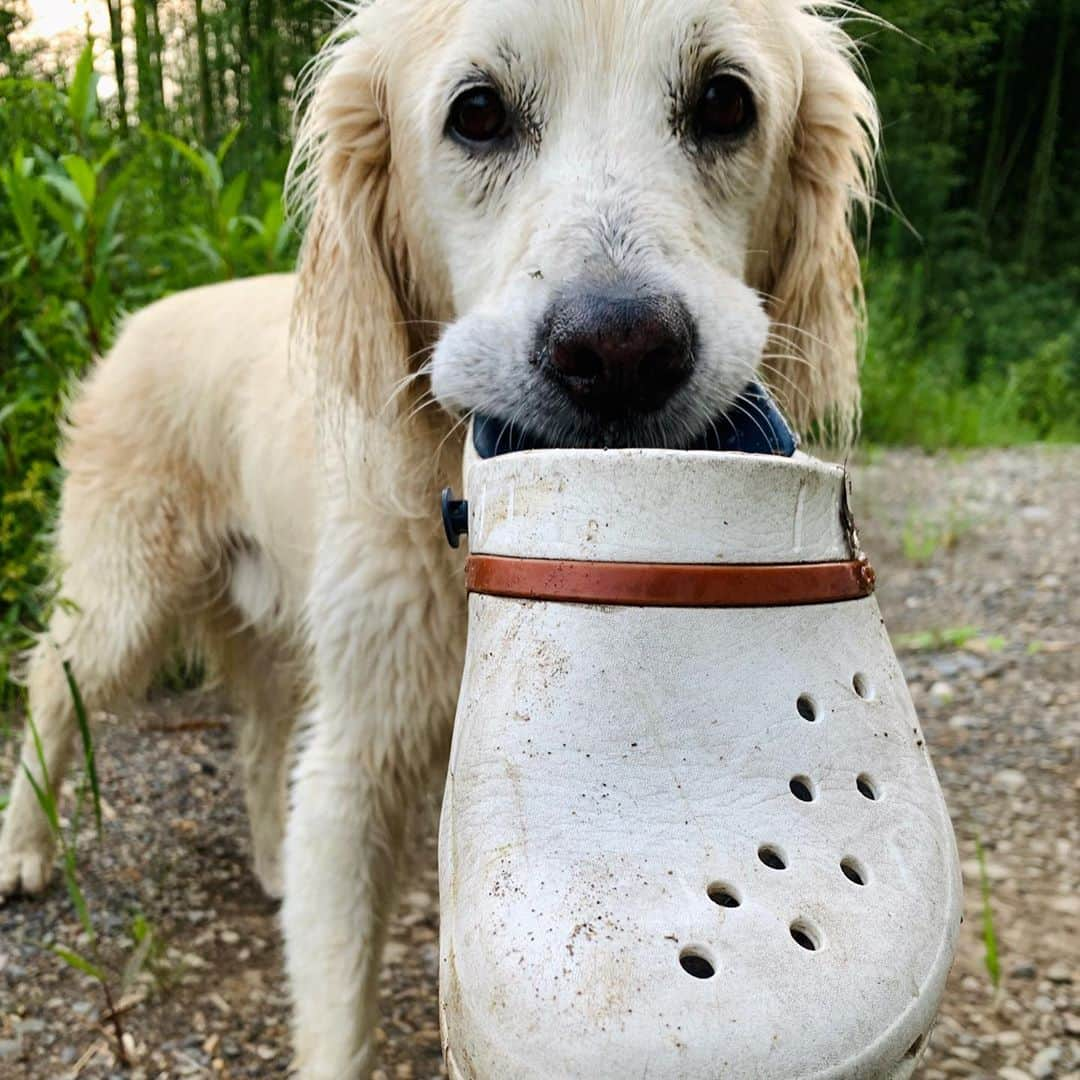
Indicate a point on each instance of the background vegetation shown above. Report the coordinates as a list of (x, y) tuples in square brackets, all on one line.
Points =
[(174, 179)]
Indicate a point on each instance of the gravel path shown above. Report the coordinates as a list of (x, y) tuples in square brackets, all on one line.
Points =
[(977, 560)]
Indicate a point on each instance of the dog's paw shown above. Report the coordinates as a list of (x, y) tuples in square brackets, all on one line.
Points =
[(26, 872), (271, 877)]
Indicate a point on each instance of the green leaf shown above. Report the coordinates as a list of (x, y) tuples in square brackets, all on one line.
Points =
[(213, 171), (226, 144), (71, 880), (68, 190), (21, 187), (63, 217), (106, 159), (231, 198), (990, 942), (82, 175), (195, 158), (82, 97), (80, 963), (87, 741)]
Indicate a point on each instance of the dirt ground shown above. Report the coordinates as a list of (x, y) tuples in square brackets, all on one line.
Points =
[(978, 558)]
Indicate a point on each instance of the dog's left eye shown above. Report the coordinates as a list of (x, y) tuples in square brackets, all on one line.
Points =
[(725, 109), (479, 116)]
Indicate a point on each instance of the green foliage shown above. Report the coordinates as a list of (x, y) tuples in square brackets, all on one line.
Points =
[(93, 226), (145, 947), (973, 279), (991, 955)]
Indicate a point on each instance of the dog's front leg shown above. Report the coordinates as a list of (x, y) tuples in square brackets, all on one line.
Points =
[(388, 630)]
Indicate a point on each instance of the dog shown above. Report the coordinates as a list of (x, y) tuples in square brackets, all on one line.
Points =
[(598, 221)]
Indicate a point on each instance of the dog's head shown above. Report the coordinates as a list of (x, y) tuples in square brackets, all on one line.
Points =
[(614, 214)]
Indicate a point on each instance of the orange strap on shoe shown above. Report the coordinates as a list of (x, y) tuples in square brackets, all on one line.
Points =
[(669, 584)]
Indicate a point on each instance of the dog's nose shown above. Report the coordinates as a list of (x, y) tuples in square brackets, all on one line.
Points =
[(617, 354)]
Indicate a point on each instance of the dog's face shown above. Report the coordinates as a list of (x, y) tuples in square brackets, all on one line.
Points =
[(594, 175), (620, 210)]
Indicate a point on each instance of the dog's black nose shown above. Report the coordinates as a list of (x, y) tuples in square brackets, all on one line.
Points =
[(618, 354)]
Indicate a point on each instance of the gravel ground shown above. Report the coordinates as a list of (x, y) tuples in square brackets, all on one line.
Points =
[(977, 560)]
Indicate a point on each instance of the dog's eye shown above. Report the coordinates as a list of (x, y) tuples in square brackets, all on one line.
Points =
[(479, 116), (725, 109)]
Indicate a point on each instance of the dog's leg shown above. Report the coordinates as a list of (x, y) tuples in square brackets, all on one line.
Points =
[(264, 681), (128, 564), (388, 630), (110, 655), (27, 845)]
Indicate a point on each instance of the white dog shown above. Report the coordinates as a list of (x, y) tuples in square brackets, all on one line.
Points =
[(595, 219)]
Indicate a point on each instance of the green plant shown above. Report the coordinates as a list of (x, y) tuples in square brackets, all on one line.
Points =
[(923, 537), (991, 957), (94, 225), (145, 945)]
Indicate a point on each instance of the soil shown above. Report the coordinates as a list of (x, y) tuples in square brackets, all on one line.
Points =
[(977, 559)]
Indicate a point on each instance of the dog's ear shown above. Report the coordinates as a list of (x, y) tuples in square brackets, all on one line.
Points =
[(351, 309), (809, 273)]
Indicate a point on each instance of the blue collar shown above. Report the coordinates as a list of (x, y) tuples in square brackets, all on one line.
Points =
[(753, 425)]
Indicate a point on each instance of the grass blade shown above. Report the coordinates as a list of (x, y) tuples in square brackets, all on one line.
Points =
[(80, 963), (990, 941), (87, 742)]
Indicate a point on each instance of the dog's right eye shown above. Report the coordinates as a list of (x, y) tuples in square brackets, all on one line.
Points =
[(479, 116)]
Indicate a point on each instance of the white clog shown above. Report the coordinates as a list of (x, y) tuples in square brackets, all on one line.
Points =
[(684, 842)]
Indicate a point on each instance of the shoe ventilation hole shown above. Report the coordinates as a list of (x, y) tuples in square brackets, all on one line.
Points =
[(866, 787), (802, 789), (724, 896), (853, 871), (862, 686), (807, 707), (916, 1046), (772, 858), (804, 936), (696, 964)]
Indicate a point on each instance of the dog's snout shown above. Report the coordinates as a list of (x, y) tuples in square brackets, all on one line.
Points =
[(617, 354)]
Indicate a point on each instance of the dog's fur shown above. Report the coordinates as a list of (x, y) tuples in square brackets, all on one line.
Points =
[(282, 516)]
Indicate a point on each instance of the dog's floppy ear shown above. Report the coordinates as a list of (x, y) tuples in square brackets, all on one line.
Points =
[(810, 277), (350, 309)]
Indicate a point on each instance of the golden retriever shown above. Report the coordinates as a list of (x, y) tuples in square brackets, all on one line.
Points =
[(598, 219)]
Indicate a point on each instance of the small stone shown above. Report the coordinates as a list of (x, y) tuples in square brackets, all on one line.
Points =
[(1066, 905), (1012, 780), (1072, 1024), (964, 721), (1035, 515), (9, 1048), (1024, 971), (1010, 1073), (1045, 1061), (1008, 1038), (1059, 973), (230, 937), (942, 693)]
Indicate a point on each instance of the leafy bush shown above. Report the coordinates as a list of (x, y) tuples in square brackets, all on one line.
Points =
[(93, 226), (998, 366)]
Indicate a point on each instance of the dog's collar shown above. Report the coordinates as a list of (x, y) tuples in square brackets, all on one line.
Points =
[(752, 425)]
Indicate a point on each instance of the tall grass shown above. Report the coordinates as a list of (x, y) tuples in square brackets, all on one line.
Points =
[(998, 366)]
